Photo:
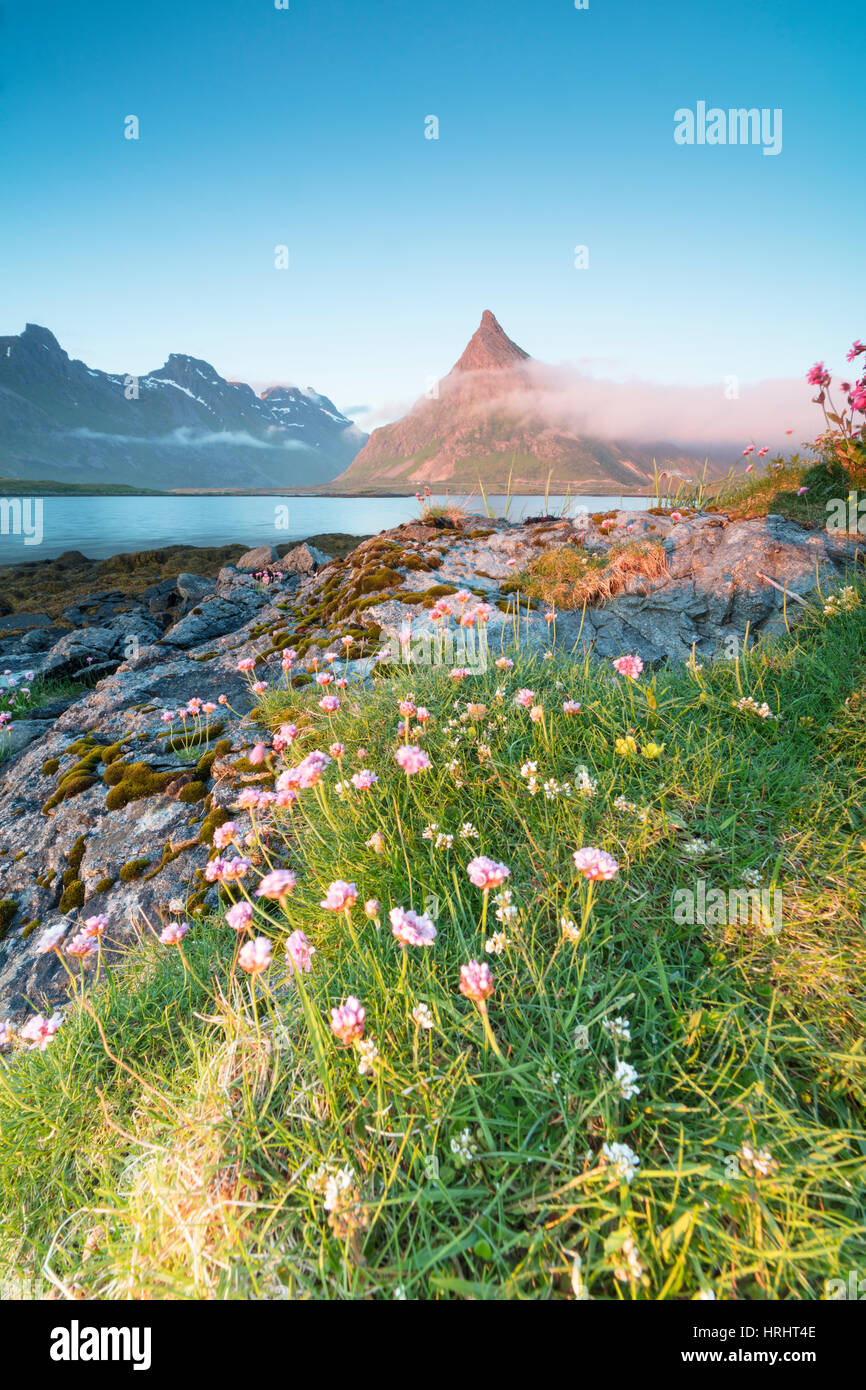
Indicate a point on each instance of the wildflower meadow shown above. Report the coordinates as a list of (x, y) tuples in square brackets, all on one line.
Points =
[(448, 1035)]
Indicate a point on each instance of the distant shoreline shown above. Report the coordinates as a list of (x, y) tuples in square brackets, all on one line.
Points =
[(22, 487)]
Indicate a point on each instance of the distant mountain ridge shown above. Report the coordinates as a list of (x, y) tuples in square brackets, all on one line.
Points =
[(489, 420), (182, 425)]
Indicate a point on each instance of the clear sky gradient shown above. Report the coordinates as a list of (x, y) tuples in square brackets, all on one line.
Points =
[(305, 127)]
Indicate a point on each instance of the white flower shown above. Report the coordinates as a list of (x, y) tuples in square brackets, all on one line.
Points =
[(570, 930), (617, 1028), (622, 1158), (626, 1076), (463, 1147), (585, 784), (580, 1037), (496, 944), (368, 1054), (421, 1016), (632, 1269)]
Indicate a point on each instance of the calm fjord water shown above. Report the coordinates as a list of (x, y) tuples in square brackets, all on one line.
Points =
[(103, 526)]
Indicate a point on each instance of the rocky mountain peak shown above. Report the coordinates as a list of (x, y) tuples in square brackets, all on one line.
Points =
[(490, 349)]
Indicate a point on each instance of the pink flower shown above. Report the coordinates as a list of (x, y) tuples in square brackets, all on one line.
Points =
[(365, 779), (595, 863), (801, 491), (504, 663), (224, 834), (762, 453), (247, 664), (406, 708), (818, 375), (339, 896), (95, 926), (255, 956), (248, 799), (173, 934), (856, 348), (39, 1031), (347, 1021), (239, 916), (276, 884), (337, 750), (525, 698), (676, 516), (483, 611), (300, 952), (329, 703), (749, 450), (412, 928), (570, 707), (422, 714), (630, 666), (536, 714), (51, 939), (486, 873), (285, 735), (459, 673), (81, 945), (462, 596), (258, 754), (372, 907), (213, 869), (235, 869), (476, 981), (412, 759)]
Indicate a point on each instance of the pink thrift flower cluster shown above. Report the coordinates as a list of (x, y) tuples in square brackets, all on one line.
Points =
[(595, 863), (412, 928), (486, 873), (630, 666), (347, 1021), (476, 981)]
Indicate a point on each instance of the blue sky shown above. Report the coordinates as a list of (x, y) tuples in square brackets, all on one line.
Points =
[(305, 127)]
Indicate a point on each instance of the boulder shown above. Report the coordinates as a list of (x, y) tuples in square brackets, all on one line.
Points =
[(258, 559), (213, 618), (303, 559), (17, 622), (80, 650), (18, 735), (194, 586)]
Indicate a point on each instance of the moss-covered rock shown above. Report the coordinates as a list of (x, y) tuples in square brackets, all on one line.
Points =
[(133, 870), (193, 791), (8, 912), (72, 896)]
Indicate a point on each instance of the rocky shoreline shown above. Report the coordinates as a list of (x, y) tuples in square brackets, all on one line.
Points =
[(105, 808)]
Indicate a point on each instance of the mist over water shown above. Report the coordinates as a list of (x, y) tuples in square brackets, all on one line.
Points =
[(103, 526)]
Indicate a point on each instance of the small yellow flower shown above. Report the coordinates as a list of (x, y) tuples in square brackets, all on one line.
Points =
[(652, 750), (625, 746)]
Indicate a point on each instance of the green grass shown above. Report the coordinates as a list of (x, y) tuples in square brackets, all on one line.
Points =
[(172, 1156)]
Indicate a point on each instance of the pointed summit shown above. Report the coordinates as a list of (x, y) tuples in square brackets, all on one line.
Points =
[(490, 349)]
